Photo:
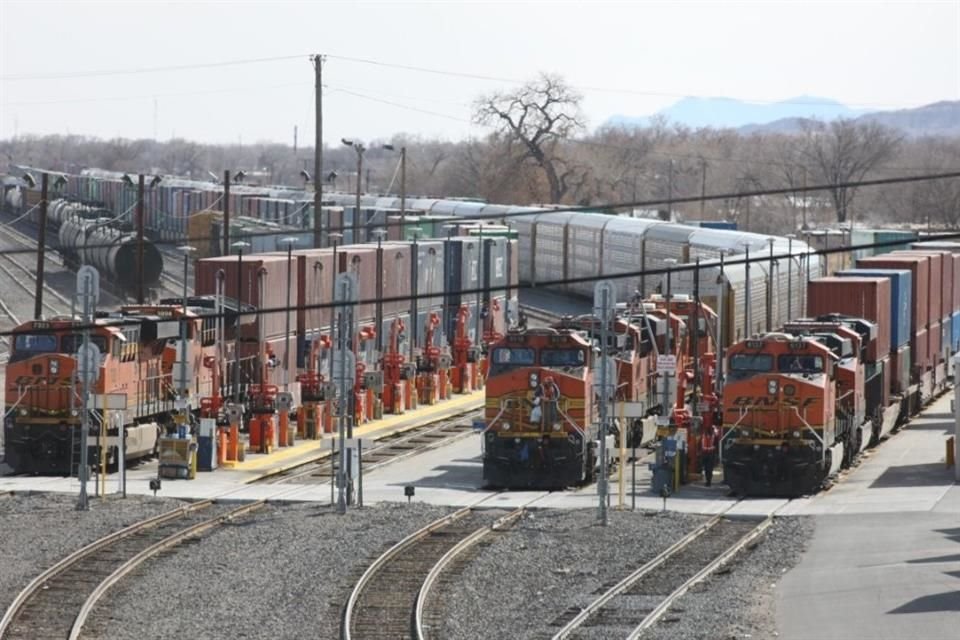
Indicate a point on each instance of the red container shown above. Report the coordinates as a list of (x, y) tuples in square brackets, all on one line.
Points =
[(919, 267), (900, 370), (263, 282), (315, 273), (397, 279), (934, 337), (956, 283), (867, 298), (941, 280)]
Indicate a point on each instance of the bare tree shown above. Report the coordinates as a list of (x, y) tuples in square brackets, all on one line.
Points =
[(845, 151), (538, 117)]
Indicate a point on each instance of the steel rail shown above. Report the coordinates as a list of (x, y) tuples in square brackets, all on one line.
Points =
[(447, 558), (720, 560), (134, 562), (392, 552), (377, 565), (382, 444), (24, 596), (628, 581), (33, 276)]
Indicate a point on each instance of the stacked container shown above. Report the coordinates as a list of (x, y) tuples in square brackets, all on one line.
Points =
[(901, 294), (462, 277), (919, 267), (867, 298)]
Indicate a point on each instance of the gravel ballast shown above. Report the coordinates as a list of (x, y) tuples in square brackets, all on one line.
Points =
[(283, 572), (550, 561), (741, 602), (39, 529)]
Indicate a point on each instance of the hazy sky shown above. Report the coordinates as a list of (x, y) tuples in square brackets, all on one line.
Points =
[(626, 58)]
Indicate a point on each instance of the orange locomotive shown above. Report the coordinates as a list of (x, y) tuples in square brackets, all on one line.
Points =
[(540, 430), (782, 431), (138, 350)]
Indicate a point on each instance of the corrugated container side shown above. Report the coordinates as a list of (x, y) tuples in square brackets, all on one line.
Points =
[(585, 256), (901, 292), (934, 337), (361, 261), (274, 285), (397, 278), (955, 332), (887, 374), (920, 281), (900, 369), (941, 281), (550, 248), (946, 337), (919, 345), (867, 298)]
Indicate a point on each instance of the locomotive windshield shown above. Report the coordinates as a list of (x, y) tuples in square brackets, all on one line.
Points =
[(504, 359), (35, 343), (791, 363), (744, 365), (562, 358), (71, 343)]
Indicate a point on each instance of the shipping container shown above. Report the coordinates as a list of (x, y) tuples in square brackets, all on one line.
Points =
[(461, 276), (901, 293), (361, 260), (919, 268), (263, 284), (941, 281), (900, 238), (900, 370), (934, 337), (867, 298), (919, 348), (955, 332)]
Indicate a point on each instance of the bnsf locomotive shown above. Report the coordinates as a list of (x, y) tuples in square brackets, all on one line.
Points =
[(540, 428), (138, 350)]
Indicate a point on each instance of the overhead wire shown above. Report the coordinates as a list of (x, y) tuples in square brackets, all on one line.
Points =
[(713, 263)]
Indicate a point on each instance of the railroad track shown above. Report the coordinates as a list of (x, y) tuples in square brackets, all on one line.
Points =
[(387, 449), (635, 603), (390, 599), (57, 603)]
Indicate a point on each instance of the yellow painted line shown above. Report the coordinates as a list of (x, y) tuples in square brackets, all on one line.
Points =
[(276, 459)]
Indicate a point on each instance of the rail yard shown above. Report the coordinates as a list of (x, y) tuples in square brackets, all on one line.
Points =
[(392, 411)]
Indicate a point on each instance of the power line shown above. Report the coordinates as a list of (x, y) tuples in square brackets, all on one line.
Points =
[(761, 258), (64, 75)]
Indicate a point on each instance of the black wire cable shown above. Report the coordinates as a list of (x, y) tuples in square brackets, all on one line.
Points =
[(704, 264)]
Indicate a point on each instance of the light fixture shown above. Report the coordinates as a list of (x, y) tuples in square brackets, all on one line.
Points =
[(127, 180), (239, 176), (154, 181), (347, 142), (331, 176), (305, 175), (30, 180), (213, 176)]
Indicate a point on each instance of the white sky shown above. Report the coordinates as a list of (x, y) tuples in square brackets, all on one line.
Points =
[(865, 54)]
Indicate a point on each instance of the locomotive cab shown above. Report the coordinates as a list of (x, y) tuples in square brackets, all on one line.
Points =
[(779, 416)]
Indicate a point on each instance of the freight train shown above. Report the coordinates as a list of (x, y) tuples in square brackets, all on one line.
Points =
[(131, 396), (801, 404)]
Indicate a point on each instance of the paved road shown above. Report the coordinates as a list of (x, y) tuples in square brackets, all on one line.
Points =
[(884, 561)]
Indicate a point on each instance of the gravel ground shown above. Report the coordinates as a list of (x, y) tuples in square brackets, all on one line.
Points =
[(39, 529), (740, 603), (285, 572), (552, 560)]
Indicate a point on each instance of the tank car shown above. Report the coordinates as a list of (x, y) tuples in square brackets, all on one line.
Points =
[(539, 429)]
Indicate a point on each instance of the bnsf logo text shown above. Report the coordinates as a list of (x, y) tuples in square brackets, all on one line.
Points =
[(767, 401)]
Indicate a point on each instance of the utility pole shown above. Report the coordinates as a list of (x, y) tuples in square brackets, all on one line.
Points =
[(805, 197), (41, 245), (403, 186), (226, 216), (670, 191), (703, 185), (318, 150), (140, 295), (604, 304)]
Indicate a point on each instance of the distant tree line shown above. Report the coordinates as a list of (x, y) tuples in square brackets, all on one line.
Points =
[(538, 150)]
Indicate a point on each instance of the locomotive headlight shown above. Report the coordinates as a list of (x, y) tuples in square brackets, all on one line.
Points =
[(796, 434), (505, 426), (556, 426), (534, 380), (23, 412), (54, 367), (772, 387), (73, 412)]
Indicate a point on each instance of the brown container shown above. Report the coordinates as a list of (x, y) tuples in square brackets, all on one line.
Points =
[(259, 274), (397, 280), (941, 281), (900, 370), (867, 298), (919, 267), (315, 270), (956, 283)]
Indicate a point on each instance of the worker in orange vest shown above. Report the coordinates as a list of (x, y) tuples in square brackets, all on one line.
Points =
[(709, 440)]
